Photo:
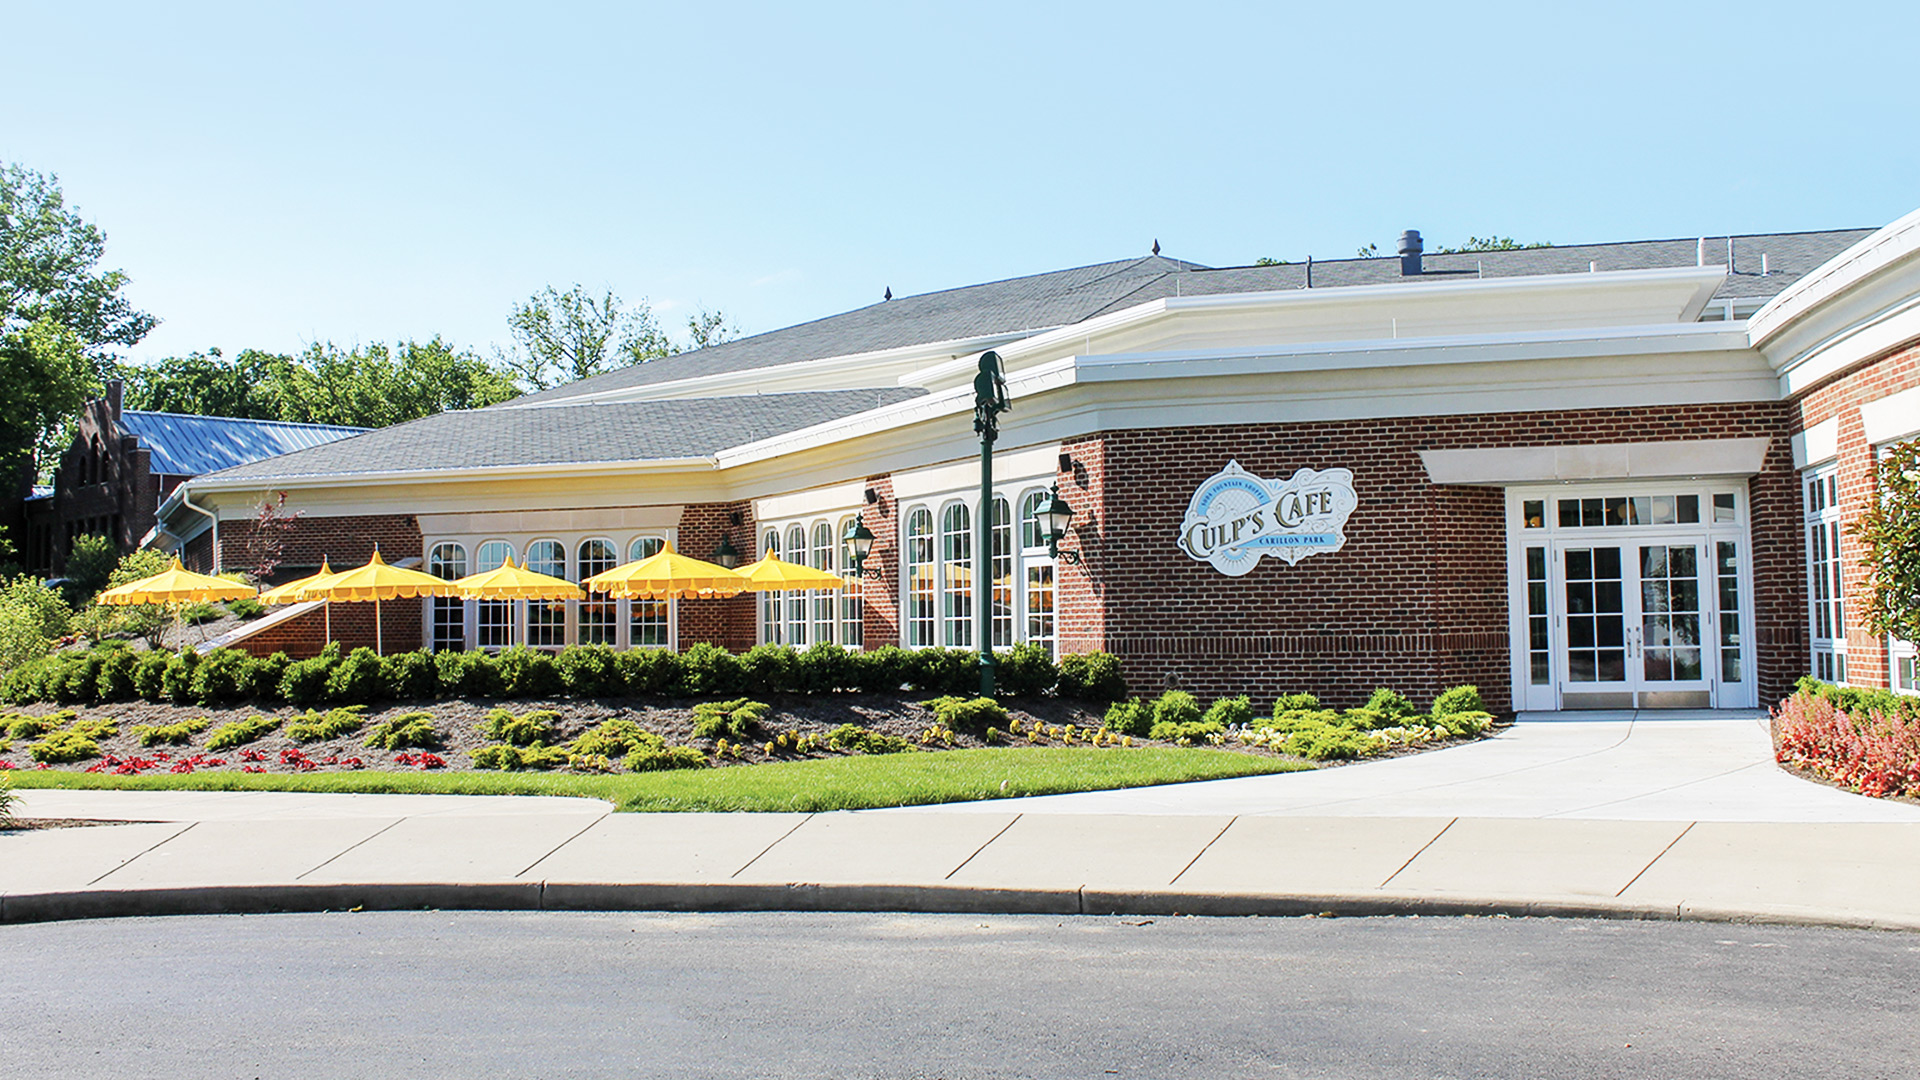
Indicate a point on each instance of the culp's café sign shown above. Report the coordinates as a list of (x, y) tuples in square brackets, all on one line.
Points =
[(1236, 518)]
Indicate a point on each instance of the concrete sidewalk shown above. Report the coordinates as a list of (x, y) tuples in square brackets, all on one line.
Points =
[(1548, 817)]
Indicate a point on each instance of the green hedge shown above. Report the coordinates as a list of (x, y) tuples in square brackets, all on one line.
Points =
[(112, 673)]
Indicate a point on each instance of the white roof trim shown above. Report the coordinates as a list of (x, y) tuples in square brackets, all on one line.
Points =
[(1885, 246), (1597, 461)]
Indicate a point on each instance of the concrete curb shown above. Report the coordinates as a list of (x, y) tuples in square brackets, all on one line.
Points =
[(813, 897)]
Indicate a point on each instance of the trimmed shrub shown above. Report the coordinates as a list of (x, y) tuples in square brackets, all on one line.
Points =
[(413, 729), (671, 757), (1230, 712), (32, 727), (467, 674), (1175, 707), (246, 607), (114, 679), (1287, 703), (149, 674), (508, 758), (1458, 700), (200, 614), (708, 669), (967, 714), (59, 747), (1129, 718), (587, 671), (219, 677), (1093, 676), (728, 719), (260, 676), (650, 671), (853, 738), (177, 734), (315, 726), (526, 673), (305, 681), (1184, 732), (1331, 742), (357, 678), (825, 668), (614, 738), (882, 670), (240, 732), (176, 682), (767, 669), (534, 726), (1026, 671), (944, 671), (409, 676), (72, 675), (1464, 723)]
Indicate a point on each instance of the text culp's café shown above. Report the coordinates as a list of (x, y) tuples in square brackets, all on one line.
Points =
[(1614, 475)]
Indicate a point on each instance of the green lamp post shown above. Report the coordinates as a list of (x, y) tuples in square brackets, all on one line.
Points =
[(989, 401)]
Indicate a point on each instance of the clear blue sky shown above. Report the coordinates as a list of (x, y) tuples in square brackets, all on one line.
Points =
[(369, 172)]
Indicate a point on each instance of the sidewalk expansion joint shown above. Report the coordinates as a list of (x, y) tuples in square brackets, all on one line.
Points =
[(124, 863), (562, 844), (316, 868), (1203, 850), (1422, 851), (1656, 858), (770, 847), (982, 847)]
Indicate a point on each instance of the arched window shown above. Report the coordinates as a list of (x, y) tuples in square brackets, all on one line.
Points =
[(494, 618), (921, 582), (824, 628), (1039, 598), (547, 619), (852, 604), (956, 566), (448, 561), (797, 598), (648, 623), (1002, 619), (772, 629), (598, 614)]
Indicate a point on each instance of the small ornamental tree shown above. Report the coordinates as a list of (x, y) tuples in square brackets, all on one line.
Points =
[(1889, 535)]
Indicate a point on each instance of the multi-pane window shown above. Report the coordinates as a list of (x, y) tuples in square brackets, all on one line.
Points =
[(1039, 565), (956, 566), (599, 615), (494, 618), (797, 599), (1539, 620), (852, 603), (448, 561), (547, 619), (1727, 576), (1826, 616), (921, 583), (823, 600), (648, 624), (1002, 567), (1633, 510), (773, 628)]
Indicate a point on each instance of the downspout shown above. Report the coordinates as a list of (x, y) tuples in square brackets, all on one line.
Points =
[(187, 501)]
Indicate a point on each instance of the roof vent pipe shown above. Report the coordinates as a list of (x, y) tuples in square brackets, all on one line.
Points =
[(1309, 271), (1410, 249), (1700, 252)]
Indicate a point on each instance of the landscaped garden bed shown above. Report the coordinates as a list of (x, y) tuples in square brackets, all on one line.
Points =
[(821, 729), (1865, 741)]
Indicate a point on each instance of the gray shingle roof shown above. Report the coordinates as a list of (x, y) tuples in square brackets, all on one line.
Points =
[(625, 431), (183, 445), (1064, 297)]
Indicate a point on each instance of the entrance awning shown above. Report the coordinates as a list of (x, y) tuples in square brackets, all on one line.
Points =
[(1597, 461)]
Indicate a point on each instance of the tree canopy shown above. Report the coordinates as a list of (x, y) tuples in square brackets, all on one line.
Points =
[(560, 337), (60, 315), (1889, 535)]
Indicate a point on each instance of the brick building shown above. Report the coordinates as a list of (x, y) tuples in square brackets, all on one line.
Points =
[(1599, 476)]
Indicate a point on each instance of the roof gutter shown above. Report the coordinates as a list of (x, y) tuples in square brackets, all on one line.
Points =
[(215, 482), (210, 516)]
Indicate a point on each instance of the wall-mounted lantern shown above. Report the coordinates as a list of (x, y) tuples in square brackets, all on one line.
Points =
[(1058, 518)]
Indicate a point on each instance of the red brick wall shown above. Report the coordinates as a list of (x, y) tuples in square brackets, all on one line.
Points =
[(881, 615), (729, 623), (1416, 599), (305, 635), (1080, 595), (346, 542), (1841, 396)]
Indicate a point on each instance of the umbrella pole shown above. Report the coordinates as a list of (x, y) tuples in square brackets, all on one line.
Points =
[(379, 644)]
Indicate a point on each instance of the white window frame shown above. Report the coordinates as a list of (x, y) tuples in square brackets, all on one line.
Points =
[(570, 543), (1826, 601), (1024, 558)]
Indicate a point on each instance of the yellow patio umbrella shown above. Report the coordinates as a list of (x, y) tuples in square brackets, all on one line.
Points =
[(510, 582), (773, 573), (177, 585), (376, 581), (290, 593), (668, 574)]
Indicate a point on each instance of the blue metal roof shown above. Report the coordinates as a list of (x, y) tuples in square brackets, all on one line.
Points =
[(183, 445)]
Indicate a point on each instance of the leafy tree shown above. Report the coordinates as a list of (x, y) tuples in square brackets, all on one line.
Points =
[(1889, 535), (89, 565), (561, 337), (708, 328), (59, 314), (32, 619), (207, 384), (149, 621), (1267, 260), (1488, 243), (1367, 252)]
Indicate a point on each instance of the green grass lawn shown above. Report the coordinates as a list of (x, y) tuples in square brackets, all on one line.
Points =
[(843, 783)]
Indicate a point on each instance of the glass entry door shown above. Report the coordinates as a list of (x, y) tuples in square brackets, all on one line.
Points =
[(1634, 625)]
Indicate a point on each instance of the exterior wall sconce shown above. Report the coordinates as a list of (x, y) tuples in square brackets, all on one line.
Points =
[(1058, 517), (726, 554), (859, 541)]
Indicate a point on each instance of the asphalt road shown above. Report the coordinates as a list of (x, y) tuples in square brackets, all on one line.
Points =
[(436, 994)]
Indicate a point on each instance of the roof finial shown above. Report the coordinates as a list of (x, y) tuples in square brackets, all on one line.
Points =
[(1156, 245), (888, 295)]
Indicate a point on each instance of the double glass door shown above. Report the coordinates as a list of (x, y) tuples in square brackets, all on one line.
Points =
[(1636, 623)]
